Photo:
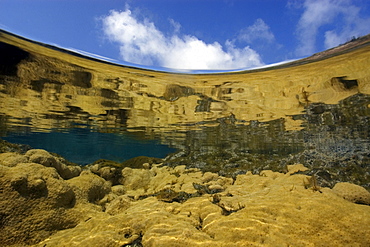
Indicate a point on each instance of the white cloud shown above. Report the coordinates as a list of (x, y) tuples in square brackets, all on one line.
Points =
[(141, 42), (318, 13), (259, 31), (176, 26), (354, 26)]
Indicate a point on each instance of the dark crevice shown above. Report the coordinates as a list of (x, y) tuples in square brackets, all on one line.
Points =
[(10, 57), (226, 210), (136, 242), (169, 195), (348, 84)]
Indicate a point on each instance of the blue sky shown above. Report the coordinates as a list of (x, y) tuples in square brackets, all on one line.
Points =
[(191, 34)]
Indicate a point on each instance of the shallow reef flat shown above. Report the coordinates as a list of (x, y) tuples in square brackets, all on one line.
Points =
[(46, 201)]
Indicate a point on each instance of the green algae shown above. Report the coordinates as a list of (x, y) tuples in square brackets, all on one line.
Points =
[(6, 147), (137, 162)]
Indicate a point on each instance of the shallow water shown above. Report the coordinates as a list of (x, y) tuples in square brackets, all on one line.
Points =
[(314, 112), (84, 146)]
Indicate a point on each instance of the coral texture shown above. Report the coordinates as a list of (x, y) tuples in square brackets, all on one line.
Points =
[(162, 206)]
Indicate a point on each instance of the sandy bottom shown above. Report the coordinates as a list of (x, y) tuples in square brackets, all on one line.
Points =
[(46, 202)]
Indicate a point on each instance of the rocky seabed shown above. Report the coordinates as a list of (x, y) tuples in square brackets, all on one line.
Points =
[(46, 201)]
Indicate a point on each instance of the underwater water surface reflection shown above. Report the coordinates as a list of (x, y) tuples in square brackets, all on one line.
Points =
[(314, 111), (84, 146)]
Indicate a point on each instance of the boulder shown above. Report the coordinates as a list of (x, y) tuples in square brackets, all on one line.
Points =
[(352, 192), (89, 188), (12, 159), (44, 158), (118, 205), (109, 170), (35, 202)]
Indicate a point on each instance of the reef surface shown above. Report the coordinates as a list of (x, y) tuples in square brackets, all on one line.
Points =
[(47, 201)]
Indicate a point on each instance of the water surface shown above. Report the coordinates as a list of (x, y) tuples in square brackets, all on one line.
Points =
[(313, 111)]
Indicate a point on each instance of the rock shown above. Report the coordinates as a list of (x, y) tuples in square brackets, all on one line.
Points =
[(215, 188), (164, 206), (296, 168), (12, 159), (89, 187), (137, 162), (146, 166), (107, 169), (44, 158), (110, 174), (118, 205), (352, 192), (209, 176), (136, 179), (119, 190), (6, 147), (166, 177), (106, 199), (279, 212), (35, 202), (101, 230), (70, 172)]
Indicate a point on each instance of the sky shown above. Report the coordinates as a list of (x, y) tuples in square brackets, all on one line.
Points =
[(190, 34)]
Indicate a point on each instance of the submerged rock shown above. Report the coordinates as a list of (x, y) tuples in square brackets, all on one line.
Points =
[(6, 147), (112, 171), (137, 162), (164, 206), (89, 187), (46, 159), (12, 159), (35, 203), (269, 209), (352, 193), (64, 168)]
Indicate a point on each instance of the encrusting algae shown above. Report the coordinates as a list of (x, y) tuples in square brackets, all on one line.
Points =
[(46, 202)]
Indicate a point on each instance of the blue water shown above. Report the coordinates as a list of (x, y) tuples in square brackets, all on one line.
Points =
[(83, 146)]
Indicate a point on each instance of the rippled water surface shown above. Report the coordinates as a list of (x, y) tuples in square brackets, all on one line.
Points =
[(315, 111)]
